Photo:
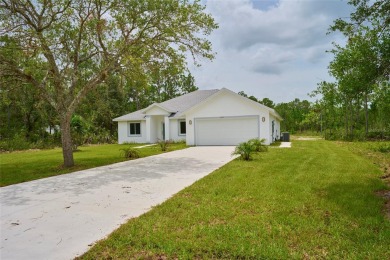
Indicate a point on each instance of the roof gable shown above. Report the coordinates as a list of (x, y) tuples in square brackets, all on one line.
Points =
[(244, 99), (156, 109), (175, 106)]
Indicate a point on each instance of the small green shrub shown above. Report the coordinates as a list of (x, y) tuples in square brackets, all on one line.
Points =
[(16, 143), (130, 153), (259, 145), (245, 150), (383, 148), (164, 144)]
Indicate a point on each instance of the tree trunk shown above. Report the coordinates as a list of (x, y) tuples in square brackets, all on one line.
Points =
[(66, 139)]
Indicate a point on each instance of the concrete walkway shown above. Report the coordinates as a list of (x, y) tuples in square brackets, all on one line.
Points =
[(60, 217), (285, 145)]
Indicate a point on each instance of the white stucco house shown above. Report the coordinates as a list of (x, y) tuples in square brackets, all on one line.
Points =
[(203, 117)]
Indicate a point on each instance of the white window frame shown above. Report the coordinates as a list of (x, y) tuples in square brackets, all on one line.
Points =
[(179, 130), (140, 130)]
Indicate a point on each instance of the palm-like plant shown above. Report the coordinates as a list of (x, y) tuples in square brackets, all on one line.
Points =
[(245, 150), (259, 144)]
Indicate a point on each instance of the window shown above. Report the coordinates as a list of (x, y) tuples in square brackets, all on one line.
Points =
[(135, 129), (182, 127)]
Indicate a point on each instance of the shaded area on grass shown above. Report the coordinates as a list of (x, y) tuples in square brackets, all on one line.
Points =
[(313, 201)]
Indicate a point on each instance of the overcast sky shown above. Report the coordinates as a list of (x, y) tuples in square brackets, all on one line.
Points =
[(270, 48)]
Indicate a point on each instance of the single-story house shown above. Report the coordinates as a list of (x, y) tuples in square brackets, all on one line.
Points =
[(202, 117)]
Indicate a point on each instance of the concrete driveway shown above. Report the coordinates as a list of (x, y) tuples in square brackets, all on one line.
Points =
[(61, 217)]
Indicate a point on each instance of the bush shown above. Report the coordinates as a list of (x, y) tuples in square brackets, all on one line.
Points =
[(130, 153), (378, 135), (164, 144), (18, 142), (259, 145), (383, 148), (97, 135), (245, 150)]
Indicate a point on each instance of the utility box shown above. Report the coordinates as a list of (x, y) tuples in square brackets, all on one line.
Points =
[(285, 137)]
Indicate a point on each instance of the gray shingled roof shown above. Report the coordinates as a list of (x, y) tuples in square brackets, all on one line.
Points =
[(176, 105)]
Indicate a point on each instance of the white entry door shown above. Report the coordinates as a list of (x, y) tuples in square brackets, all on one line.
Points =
[(226, 130)]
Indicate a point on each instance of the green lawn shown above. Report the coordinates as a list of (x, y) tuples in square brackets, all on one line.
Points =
[(314, 201), (17, 167)]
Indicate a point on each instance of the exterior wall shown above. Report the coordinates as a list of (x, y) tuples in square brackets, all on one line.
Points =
[(124, 133), (227, 104), (174, 130)]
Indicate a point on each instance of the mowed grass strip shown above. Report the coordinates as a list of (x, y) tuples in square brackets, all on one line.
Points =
[(315, 200), (22, 166)]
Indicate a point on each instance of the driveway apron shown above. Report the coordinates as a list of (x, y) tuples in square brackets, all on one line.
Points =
[(62, 216)]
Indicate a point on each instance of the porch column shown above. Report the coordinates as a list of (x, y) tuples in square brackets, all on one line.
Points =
[(148, 129), (166, 123)]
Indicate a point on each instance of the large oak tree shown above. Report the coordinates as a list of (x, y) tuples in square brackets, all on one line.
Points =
[(66, 48)]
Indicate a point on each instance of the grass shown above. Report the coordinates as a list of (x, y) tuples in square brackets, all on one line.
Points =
[(17, 167), (316, 200), (376, 152)]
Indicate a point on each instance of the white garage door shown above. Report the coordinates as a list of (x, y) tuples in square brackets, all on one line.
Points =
[(225, 130)]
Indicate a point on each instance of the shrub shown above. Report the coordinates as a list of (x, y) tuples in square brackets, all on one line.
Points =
[(18, 142), (378, 135), (383, 148), (130, 153), (245, 150), (164, 144), (259, 145)]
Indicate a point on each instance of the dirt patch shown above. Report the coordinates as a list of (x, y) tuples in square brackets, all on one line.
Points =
[(386, 195)]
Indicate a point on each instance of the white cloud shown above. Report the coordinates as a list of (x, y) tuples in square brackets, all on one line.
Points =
[(270, 48)]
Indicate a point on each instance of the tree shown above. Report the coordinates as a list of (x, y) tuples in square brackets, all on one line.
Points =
[(267, 102), (357, 69), (329, 107), (293, 113), (360, 67), (242, 93), (169, 82), (70, 47)]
